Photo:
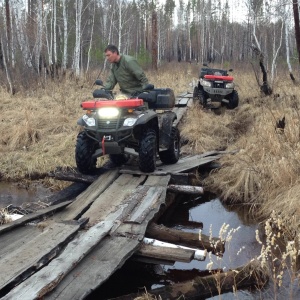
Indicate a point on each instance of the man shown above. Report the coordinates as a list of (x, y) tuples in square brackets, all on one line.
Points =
[(125, 71)]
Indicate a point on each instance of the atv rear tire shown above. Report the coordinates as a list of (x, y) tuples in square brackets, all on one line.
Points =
[(118, 159), (147, 152), (233, 100), (171, 155), (85, 148)]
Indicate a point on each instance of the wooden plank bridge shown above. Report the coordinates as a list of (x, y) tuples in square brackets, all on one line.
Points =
[(68, 250)]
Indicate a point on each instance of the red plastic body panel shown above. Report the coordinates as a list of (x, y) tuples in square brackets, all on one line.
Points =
[(112, 103), (218, 77)]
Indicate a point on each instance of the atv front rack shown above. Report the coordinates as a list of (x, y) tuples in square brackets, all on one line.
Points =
[(127, 103), (218, 77)]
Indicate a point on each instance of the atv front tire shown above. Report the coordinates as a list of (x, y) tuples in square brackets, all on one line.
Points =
[(233, 100), (85, 148), (147, 151), (171, 155), (196, 93), (202, 98)]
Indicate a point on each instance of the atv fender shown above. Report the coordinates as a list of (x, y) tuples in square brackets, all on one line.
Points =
[(165, 127), (81, 122), (147, 120)]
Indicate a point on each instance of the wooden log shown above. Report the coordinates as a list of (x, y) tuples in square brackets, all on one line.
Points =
[(249, 275), (70, 175), (198, 254), (165, 254), (186, 189), (189, 239)]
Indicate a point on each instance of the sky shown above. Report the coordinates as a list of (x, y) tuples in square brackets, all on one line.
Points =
[(238, 10)]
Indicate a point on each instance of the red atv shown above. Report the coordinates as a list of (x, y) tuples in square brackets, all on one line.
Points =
[(121, 128), (217, 86)]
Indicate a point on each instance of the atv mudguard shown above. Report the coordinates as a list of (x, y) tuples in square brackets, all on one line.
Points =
[(147, 120), (166, 123)]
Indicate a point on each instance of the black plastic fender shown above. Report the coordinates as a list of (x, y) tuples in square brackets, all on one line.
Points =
[(149, 119), (165, 126), (81, 122)]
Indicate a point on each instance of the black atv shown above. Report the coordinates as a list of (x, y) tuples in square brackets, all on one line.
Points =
[(216, 85), (141, 126)]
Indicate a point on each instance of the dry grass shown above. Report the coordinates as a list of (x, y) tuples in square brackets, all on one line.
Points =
[(39, 131)]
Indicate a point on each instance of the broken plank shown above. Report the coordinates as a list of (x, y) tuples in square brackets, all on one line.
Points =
[(23, 261), (42, 282), (147, 203), (33, 216), (112, 197)]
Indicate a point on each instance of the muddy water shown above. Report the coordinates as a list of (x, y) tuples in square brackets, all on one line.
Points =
[(13, 194)]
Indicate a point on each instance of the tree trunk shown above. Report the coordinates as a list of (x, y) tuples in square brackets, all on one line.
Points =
[(154, 40), (297, 26), (65, 42)]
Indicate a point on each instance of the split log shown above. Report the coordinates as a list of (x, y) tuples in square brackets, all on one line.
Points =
[(169, 252), (249, 275), (189, 239), (187, 189)]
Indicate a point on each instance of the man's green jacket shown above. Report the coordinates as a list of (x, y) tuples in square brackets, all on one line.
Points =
[(128, 74)]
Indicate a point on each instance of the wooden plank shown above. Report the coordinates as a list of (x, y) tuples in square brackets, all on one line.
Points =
[(180, 112), (40, 283), (185, 165), (23, 261), (85, 199), (148, 202), (17, 237), (112, 197), (182, 102), (153, 180), (95, 268), (39, 214)]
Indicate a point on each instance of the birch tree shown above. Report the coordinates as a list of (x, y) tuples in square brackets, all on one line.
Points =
[(76, 59), (65, 31)]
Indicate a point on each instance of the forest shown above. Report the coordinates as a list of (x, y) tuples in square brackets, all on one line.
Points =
[(43, 39)]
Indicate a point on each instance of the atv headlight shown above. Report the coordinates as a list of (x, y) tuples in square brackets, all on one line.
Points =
[(129, 122), (89, 121), (108, 112), (205, 83), (229, 85)]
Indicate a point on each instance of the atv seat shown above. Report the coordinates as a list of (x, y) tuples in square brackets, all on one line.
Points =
[(101, 93), (159, 98)]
